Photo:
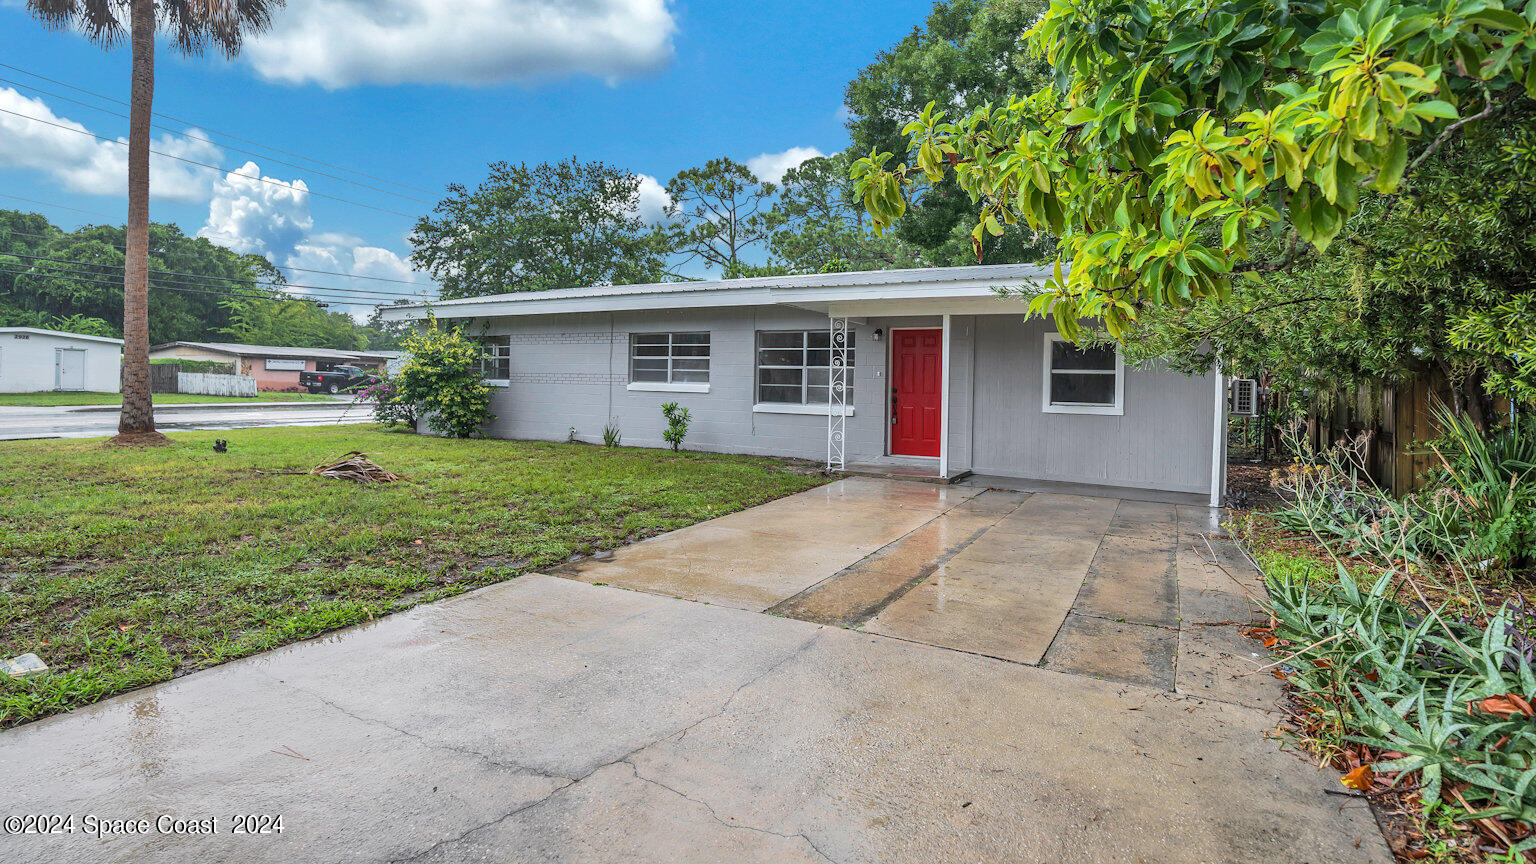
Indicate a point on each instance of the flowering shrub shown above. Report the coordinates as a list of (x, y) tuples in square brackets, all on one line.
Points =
[(442, 383), (389, 408)]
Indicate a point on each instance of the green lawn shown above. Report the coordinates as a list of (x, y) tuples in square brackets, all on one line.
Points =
[(125, 567), (52, 400)]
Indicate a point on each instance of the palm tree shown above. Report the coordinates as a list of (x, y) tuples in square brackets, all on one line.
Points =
[(193, 25)]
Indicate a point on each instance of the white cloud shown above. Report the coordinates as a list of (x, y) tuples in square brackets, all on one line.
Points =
[(772, 166), (374, 261), (252, 216), (339, 43), (654, 199), (91, 166), (273, 220)]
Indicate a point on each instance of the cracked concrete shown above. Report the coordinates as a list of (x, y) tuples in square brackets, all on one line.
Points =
[(549, 720)]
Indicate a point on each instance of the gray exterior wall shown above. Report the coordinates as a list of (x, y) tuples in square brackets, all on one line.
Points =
[(1162, 441), (573, 371)]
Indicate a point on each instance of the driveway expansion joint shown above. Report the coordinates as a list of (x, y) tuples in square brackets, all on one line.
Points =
[(426, 742), (864, 614), (716, 817)]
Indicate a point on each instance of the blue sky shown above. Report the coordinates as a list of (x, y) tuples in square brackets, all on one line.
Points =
[(427, 92)]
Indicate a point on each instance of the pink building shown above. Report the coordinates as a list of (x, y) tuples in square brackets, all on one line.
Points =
[(275, 368)]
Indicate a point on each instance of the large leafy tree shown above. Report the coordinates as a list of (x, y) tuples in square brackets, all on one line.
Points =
[(289, 322), (193, 25), (47, 274), (1181, 136), (565, 225), (1434, 281), (820, 226), (967, 54), (718, 211)]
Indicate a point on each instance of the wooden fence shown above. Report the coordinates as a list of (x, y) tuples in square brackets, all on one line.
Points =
[(205, 384), (1388, 423), (162, 377), (1392, 423)]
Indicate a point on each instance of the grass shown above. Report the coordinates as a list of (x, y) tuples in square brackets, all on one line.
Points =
[(124, 567), (54, 400)]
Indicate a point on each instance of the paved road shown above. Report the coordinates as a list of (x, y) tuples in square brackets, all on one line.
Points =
[(73, 422), (548, 720)]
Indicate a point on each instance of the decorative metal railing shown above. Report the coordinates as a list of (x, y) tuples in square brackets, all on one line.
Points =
[(837, 395)]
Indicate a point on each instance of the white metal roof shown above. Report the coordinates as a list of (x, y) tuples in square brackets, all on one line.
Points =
[(38, 331), (869, 290), (238, 349)]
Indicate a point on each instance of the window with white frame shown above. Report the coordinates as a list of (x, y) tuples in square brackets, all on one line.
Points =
[(496, 358), (669, 358), (794, 367), (1082, 379)]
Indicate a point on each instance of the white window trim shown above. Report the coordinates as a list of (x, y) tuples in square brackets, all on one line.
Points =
[(659, 387), (508, 356), (818, 409), (496, 382), (1117, 409), (669, 385)]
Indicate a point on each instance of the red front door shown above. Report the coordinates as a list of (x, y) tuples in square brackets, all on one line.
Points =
[(917, 408)]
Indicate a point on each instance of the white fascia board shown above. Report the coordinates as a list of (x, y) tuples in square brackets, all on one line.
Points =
[(60, 334), (868, 296)]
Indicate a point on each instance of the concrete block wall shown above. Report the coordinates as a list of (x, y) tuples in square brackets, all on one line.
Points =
[(572, 371)]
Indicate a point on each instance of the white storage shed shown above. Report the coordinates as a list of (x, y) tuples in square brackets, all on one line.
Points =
[(34, 360)]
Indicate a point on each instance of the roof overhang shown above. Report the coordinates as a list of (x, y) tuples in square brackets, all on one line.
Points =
[(909, 292), (61, 334)]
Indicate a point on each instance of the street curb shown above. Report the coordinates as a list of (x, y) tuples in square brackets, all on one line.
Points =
[(211, 406)]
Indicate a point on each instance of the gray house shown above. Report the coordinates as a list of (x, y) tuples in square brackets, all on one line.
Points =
[(918, 370)]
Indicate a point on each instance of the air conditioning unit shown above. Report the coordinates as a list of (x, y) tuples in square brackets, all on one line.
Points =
[(1243, 401)]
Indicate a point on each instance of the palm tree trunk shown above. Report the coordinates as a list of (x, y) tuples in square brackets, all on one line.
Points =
[(138, 414)]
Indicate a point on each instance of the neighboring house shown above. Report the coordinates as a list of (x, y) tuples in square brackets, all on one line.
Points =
[(273, 367), (928, 368), (394, 361), (33, 360)]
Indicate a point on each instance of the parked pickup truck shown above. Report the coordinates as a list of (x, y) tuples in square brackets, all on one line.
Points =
[(342, 379)]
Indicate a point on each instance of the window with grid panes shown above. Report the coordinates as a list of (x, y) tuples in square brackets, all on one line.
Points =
[(794, 367), (669, 358)]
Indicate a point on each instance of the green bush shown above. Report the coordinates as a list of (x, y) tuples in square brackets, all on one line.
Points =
[(677, 424), (442, 383), (390, 407), (1479, 508), (1418, 682), (212, 367), (1491, 479)]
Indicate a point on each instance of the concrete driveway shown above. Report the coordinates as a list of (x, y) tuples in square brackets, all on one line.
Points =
[(873, 671)]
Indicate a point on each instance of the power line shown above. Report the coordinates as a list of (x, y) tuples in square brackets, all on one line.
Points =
[(372, 291), (117, 271), (59, 206), (258, 178), (206, 277), (281, 267), (76, 278), (187, 134), (325, 294), (214, 131), (322, 302)]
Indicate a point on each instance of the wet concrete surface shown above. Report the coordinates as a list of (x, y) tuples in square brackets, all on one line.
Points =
[(760, 557), (20, 423), (545, 719), (852, 596)]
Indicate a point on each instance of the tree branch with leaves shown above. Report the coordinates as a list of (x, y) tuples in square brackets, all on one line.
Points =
[(1179, 135)]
